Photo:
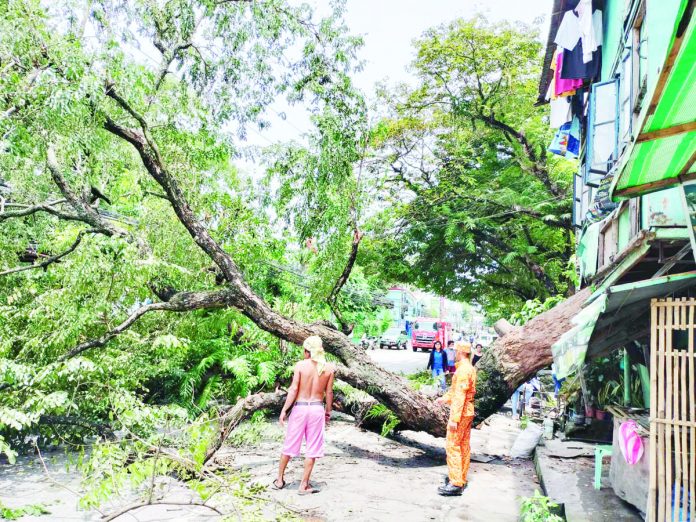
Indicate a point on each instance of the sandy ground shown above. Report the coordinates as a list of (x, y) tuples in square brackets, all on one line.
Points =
[(367, 477), (363, 477)]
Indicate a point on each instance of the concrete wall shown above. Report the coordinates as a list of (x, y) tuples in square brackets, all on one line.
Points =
[(663, 209), (661, 18), (630, 482)]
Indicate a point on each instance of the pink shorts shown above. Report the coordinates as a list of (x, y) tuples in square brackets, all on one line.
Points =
[(306, 421)]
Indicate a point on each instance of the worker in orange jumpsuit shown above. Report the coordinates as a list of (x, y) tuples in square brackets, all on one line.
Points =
[(460, 397)]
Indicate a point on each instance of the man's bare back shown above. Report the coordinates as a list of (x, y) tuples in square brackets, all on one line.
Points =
[(311, 385)]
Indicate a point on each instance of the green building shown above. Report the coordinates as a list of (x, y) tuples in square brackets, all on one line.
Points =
[(630, 95)]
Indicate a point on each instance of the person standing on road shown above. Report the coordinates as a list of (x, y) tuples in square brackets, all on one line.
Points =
[(312, 384), (438, 364), (478, 353), (451, 368), (460, 397)]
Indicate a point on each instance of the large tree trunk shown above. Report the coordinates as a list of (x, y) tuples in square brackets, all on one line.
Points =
[(520, 353)]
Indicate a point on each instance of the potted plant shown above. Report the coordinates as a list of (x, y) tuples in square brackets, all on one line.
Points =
[(608, 394), (589, 407)]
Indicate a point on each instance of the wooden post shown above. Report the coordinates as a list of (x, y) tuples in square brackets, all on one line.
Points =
[(661, 479), (652, 492), (683, 415), (692, 415), (627, 378), (667, 455)]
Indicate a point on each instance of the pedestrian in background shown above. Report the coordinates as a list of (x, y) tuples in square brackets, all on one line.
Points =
[(478, 353), (451, 368), (438, 364)]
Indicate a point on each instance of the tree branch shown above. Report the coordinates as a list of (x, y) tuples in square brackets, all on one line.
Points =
[(84, 211), (181, 302), (540, 172), (48, 207), (138, 505), (341, 281), (53, 259)]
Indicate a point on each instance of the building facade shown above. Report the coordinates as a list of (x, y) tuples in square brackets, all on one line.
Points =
[(620, 83), (405, 305)]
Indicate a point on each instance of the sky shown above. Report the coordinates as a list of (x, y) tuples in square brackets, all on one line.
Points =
[(389, 28)]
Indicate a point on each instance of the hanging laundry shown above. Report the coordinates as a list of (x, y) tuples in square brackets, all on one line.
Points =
[(578, 102), (574, 67), (573, 147), (559, 144), (587, 36), (563, 86), (581, 38), (598, 27), (568, 33), (560, 112)]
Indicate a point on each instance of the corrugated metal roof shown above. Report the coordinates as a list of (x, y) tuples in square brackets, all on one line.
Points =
[(612, 313)]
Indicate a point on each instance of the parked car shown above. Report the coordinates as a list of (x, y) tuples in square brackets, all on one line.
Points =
[(393, 338)]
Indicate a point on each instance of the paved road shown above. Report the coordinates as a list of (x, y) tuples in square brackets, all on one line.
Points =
[(400, 361)]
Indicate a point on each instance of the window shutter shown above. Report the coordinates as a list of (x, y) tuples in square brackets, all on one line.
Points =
[(625, 97), (602, 131), (577, 199)]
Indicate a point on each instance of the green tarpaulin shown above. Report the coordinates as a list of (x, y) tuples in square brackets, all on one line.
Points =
[(663, 153)]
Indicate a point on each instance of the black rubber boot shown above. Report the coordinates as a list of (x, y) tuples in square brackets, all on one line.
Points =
[(450, 490)]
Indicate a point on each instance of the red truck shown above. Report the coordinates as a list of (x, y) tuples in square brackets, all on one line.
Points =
[(427, 330)]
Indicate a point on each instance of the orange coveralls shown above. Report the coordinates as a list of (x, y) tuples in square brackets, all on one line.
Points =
[(458, 443)]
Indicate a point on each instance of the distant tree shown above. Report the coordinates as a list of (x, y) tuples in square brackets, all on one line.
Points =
[(480, 211)]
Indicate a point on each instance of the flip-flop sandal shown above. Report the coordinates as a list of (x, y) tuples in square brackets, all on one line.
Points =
[(276, 486), (309, 491)]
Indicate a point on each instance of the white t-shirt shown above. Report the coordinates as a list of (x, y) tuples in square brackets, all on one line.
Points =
[(568, 32)]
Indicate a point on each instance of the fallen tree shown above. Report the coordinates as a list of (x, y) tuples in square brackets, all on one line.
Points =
[(131, 115), (520, 352)]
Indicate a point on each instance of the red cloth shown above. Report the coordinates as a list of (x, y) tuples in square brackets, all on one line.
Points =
[(564, 86)]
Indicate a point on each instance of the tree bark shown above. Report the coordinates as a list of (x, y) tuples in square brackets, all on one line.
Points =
[(503, 327), (520, 353)]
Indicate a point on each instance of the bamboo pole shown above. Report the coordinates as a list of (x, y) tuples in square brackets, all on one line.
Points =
[(677, 439), (669, 478), (692, 416), (662, 480), (652, 492), (684, 415)]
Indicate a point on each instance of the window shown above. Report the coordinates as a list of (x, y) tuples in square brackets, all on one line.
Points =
[(632, 72), (602, 131), (578, 185), (625, 97)]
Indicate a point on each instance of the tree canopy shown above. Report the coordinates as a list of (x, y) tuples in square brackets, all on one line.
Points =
[(145, 278), (478, 209)]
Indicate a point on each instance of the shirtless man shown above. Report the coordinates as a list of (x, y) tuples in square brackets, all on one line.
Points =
[(312, 384)]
